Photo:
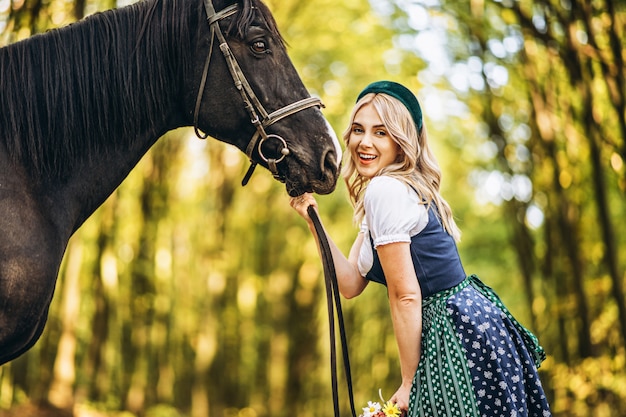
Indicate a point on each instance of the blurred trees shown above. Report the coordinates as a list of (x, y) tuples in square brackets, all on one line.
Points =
[(544, 82), (187, 295)]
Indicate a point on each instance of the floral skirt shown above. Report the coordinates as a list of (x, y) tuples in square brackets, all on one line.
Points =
[(476, 359)]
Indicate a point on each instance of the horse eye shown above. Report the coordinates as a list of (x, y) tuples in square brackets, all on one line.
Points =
[(259, 46)]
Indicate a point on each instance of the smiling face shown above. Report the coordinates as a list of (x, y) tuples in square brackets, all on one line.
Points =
[(370, 145)]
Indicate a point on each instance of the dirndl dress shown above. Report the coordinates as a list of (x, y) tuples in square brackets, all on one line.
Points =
[(476, 359)]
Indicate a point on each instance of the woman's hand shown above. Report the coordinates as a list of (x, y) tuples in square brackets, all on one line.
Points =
[(350, 281), (302, 203), (401, 398)]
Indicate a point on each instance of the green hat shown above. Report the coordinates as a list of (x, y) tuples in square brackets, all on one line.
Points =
[(399, 92)]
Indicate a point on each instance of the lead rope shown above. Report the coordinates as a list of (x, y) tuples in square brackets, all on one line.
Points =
[(332, 293)]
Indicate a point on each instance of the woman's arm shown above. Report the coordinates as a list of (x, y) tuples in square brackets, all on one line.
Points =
[(405, 300), (349, 280)]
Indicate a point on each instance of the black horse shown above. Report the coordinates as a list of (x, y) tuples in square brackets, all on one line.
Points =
[(79, 106)]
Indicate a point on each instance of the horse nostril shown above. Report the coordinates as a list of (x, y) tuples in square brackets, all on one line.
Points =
[(329, 163)]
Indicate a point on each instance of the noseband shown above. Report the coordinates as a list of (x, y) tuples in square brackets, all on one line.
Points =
[(259, 117)]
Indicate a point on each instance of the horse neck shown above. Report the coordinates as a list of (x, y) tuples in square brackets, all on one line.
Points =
[(107, 88)]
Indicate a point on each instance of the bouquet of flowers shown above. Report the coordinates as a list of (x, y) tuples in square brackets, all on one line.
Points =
[(381, 409)]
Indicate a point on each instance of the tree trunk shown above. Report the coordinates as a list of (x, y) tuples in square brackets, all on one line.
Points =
[(62, 389)]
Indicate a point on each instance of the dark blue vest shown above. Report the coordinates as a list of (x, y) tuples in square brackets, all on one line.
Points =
[(435, 259)]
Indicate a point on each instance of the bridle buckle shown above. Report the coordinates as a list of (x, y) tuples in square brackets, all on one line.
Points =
[(259, 117)]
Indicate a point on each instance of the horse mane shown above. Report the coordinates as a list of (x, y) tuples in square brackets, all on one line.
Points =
[(66, 94)]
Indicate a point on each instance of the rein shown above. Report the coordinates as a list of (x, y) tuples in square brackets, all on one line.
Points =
[(332, 294), (259, 117)]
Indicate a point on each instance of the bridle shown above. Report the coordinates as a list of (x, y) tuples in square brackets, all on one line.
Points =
[(259, 117)]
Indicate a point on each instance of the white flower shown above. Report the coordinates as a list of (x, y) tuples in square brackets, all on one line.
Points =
[(372, 408)]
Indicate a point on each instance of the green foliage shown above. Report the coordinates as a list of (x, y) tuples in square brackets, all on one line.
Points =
[(187, 295)]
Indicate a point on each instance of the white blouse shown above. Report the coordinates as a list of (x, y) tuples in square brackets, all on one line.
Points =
[(393, 213)]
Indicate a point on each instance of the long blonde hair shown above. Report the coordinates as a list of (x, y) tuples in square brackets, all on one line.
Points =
[(416, 166)]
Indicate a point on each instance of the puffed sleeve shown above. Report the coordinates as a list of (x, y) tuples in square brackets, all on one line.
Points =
[(393, 211)]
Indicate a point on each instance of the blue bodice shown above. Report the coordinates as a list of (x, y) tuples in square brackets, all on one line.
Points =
[(435, 259)]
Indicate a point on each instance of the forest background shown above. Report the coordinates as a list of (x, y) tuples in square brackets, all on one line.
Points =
[(186, 295)]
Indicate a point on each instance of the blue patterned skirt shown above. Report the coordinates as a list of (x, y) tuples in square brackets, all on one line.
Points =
[(476, 359)]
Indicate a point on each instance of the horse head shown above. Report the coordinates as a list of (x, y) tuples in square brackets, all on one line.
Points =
[(252, 97)]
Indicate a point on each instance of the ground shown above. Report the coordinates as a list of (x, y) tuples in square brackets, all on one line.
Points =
[(48, 410), (36, 410)]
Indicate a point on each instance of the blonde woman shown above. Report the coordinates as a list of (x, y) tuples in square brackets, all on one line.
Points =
[(461, 352)]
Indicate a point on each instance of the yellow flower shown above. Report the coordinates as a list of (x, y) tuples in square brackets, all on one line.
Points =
[(391, 410)]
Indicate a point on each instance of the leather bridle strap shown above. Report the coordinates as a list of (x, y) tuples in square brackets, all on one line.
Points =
[(259, 117), (212, 18), (332, 293), (261, 136)]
